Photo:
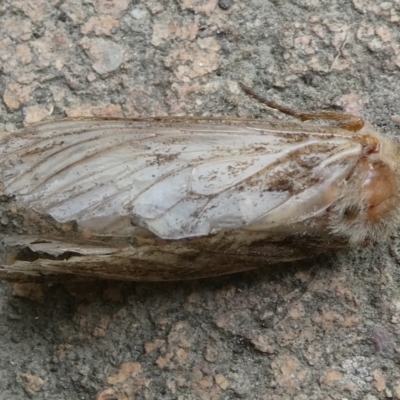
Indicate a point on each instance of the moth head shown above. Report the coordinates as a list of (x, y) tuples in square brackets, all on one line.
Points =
[(369, 206)]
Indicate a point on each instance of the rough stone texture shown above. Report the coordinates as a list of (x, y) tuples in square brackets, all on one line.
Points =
[(326, 328)]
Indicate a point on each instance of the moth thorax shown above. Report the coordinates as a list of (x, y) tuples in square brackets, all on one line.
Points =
[(369, 207), (379, 189)]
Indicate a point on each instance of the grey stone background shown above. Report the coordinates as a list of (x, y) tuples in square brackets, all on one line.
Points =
[(322, 329)]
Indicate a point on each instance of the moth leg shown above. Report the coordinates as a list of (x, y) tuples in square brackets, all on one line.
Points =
[(345, 121)]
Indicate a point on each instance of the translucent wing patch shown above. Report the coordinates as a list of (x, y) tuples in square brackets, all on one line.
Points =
[(177, 177)]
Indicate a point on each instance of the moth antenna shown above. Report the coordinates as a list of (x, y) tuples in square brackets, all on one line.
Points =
[(286, 110), (348, 122)]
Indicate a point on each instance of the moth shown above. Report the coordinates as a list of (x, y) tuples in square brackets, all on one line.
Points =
[(155, 199)]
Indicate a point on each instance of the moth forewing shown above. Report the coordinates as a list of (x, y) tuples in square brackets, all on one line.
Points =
[(179, 198)]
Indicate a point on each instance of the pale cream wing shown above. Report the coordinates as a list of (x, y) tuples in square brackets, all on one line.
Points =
[(178, 178)]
